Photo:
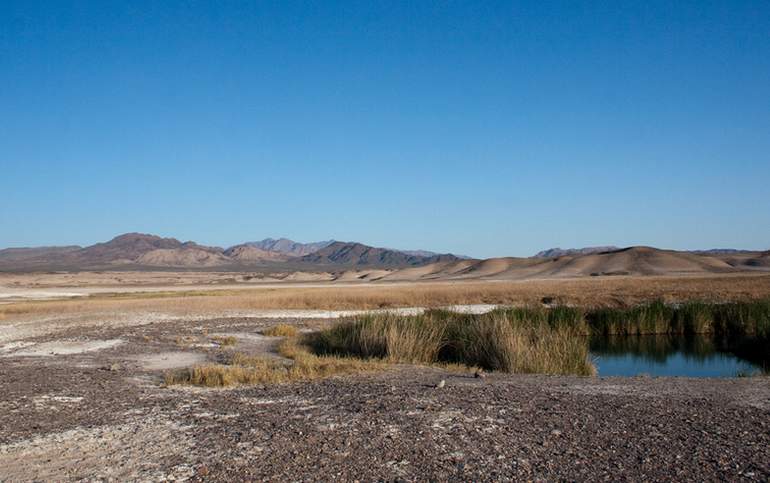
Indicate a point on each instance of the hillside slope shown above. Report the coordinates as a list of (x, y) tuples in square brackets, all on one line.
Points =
[(357, 254), (248, 253), (627, 261), (288, 247)]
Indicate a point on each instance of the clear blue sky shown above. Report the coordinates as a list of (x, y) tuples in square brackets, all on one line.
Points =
[(484, 128)]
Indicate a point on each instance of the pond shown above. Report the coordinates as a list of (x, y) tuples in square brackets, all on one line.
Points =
[(664, 355)]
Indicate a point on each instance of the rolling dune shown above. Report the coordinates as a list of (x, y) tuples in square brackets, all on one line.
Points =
[(628, 261)]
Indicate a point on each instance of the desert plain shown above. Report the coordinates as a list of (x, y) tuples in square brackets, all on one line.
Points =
[(86, 392)]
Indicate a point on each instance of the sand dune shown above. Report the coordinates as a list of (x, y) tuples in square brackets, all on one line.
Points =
[(628, 261), (362, 275), (748, 260)]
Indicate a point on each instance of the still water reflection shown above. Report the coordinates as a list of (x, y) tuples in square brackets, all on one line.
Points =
[(662, 355)]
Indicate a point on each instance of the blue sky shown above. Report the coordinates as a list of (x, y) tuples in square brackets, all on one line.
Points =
[(484, 128)]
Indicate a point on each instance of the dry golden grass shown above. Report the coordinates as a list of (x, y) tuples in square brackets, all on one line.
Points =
[(246, 369), (225, 341), (500, 340), (594, 291), (281, 330), (388, 336), (184, 340)]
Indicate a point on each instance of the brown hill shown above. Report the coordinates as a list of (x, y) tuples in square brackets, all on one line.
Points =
[(628, 261), (129, 246), (640, 261), (149, 250), (357, 254), (247, 253), (289, 247), (125, 250), (19, 254), (561, 252), (182, 257), (746, 260)]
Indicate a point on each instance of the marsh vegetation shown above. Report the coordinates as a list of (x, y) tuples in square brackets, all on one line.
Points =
[(496, 341), (542, 340)]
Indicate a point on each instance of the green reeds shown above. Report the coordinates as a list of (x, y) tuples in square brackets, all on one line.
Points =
[(654, 318), (504, 340), (415, 339)]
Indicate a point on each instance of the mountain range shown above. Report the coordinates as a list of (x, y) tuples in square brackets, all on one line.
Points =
[(356, 261), (143, 251)]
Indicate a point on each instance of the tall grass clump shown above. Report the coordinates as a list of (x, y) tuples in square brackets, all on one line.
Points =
[(735, 319), (559, 317), (743, 318), (517, 344), (281, 330), (225, 341), (412, 339), (505, 340), (653, 318)]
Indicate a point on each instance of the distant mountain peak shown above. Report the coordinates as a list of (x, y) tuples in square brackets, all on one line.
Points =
[(288, 247), (562, 252), (358, 254)]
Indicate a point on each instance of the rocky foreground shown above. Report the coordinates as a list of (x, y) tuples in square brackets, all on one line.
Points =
[(92, 424), (82, 399)]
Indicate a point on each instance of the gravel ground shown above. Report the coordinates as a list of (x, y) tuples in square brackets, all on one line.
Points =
[(101, 414)]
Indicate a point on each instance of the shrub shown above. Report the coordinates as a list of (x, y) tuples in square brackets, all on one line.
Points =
[(281, 330)]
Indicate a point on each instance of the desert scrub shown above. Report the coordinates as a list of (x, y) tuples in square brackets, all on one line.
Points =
[(221, 375), (246, 369), (225, 341), (184, 340), (281, 330)]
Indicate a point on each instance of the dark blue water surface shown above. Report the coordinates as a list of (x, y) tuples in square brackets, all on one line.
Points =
[(691, 356)]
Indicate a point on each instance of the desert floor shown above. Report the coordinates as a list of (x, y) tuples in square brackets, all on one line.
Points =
[(81, 393)]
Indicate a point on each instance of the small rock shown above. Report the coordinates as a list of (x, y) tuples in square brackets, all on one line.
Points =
[(457, 455), (441, 384)]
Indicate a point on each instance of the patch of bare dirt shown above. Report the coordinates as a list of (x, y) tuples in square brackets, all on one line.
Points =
[(111, 452), (58, 347), (169, 360)]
